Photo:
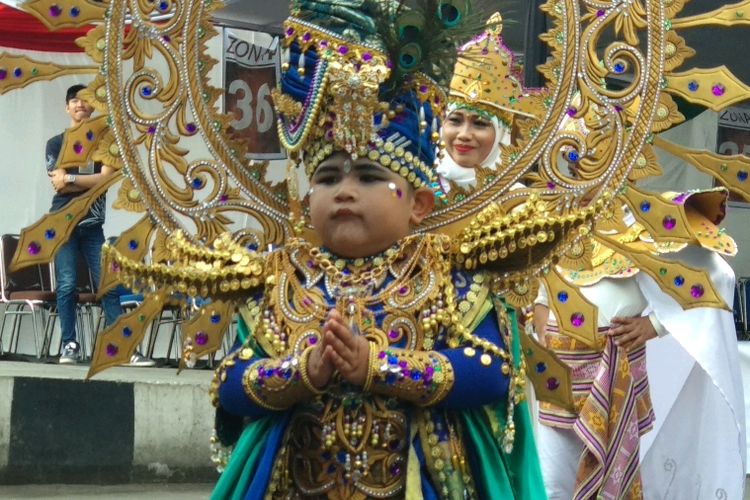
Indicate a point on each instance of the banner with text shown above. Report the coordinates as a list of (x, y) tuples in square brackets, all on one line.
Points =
[(252, 68), (733, 136)]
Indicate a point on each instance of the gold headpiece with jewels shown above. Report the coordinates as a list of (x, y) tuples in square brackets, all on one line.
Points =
[(486, 78), (154, 117)]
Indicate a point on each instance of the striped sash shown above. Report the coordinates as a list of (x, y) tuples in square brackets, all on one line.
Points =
[(613, 409)]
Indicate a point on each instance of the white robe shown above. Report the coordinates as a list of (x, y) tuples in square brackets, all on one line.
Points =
[(697, 447)]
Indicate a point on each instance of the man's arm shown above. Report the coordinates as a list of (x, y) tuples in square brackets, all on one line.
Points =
[(82, 182)]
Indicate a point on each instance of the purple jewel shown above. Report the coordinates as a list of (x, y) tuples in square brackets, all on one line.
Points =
[(224, 198), (114, 267), (307, 302), (323, 44), (55, 11), (485, 51), (577, 319), (552, 383), (367, 57), (306, 37), (78, 148), (572, 111), (669, 223), (600, 13), (3, 73), (550, 185), (166, 38), (381, 355), (697, 291), (190, 128), (343, 50), (393, 334), (403, 364), (112, 350), (423, 89), (312, 340), (679, 200), (289, 31), (201, 338), (396, 470), (718, 90), (310, 264), (403, 290), (34, 248), (151, 129)]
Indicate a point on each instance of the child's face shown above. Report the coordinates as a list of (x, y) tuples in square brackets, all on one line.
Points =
[(360, 208), (78, 109), (469, 138)]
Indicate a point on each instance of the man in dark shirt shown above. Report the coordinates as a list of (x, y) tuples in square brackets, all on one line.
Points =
[(87, 237)]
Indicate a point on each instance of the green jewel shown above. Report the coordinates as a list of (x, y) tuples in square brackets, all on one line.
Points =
[(142, 318), (668, 25), (663, 271), (34, 71), (529, 352), (724, 167), (68, 217)]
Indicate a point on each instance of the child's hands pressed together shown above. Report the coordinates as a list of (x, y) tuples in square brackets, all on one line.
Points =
[(348, 352), (319, 367)]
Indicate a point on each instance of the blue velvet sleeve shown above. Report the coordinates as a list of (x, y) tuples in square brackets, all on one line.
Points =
[(474, 383), (232, 396), (249, 384)]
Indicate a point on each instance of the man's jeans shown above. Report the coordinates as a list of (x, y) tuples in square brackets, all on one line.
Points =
[(86, 241)]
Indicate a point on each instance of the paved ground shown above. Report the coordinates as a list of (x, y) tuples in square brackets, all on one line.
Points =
[(127, 491)]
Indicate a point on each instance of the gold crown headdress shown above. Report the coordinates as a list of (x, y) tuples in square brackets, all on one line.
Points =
[(487, 79)]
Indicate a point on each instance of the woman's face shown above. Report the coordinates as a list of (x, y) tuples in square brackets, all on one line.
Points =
[(469, 138)]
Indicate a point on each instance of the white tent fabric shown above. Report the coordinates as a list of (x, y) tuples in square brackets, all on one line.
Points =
[(30, 116)]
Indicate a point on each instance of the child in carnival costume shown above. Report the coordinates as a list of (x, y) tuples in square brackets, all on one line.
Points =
[(351, 373)]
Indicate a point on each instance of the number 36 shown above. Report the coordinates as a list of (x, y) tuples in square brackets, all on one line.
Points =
[(263, 111)]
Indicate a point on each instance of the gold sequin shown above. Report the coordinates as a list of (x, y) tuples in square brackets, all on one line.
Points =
[(470, 352), (486, 359)]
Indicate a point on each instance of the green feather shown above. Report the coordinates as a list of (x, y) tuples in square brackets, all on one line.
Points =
[(424, 36)]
